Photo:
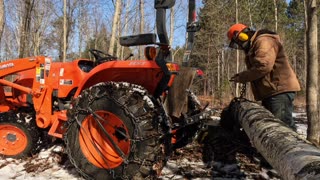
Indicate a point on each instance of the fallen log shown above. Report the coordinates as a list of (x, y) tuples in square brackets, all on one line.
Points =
[(287, 152), (176, 102)]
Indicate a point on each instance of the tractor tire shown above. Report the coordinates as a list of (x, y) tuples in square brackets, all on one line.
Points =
[(116, 131), (20, 136)]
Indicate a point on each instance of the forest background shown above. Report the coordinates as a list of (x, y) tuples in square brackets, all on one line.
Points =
[(36, 27), (67, 29)]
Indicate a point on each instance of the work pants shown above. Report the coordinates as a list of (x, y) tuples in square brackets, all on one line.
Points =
[(281, 106)]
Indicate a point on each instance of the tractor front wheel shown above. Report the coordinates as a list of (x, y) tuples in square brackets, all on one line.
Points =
[(116, 131), (19, 135)]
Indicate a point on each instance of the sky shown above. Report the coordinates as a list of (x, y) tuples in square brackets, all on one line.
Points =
[(107, 9)]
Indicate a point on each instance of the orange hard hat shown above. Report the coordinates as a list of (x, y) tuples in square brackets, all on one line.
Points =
[(235, 29)]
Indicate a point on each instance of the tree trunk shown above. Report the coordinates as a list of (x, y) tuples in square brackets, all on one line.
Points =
[(220, 54), (64, 51), (142, 24), (116, 17), (82, 10), (238, 53), (175, 103), (205, 87), (275, 15), (288, 153), (250, 14), (25, 29), (171, 26), (305, 42), (313, 133), (2, 19), (223, 76), (118, 41), (67, 26), (128, 3)]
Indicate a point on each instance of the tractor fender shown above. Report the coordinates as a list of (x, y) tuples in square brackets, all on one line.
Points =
[(141, 72)]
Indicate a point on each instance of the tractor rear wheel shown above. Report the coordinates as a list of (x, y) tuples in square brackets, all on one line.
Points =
[(19, 134), (116, 131)]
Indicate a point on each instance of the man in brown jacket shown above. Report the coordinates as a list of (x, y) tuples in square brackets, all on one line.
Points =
[(272, 79)]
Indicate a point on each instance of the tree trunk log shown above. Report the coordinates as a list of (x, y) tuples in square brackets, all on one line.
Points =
[(287, 152), (176, 101)]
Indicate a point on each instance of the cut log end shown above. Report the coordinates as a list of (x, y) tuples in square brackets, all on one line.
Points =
[(310, 171)]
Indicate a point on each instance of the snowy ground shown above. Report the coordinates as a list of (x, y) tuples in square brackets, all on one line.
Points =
[(48, 164), (301, 121), (186, 163)]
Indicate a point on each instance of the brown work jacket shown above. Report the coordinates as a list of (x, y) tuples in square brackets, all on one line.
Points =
[(268, 68)]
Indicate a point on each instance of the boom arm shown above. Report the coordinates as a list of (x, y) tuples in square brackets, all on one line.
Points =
[(192, 27), (18, 65)]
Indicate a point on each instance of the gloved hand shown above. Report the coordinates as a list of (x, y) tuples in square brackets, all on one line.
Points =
[(235, 78)]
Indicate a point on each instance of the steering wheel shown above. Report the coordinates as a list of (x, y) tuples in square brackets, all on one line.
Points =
[(101, 57)]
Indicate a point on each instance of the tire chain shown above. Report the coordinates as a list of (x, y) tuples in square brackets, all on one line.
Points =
[(164, 124)]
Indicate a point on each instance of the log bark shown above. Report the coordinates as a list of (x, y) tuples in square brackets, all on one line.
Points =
[(287, 152), (176, 101)]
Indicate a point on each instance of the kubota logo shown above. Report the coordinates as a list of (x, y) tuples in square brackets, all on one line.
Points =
[(6, 66)]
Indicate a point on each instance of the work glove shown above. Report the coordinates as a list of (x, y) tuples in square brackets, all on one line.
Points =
[(235, 78)]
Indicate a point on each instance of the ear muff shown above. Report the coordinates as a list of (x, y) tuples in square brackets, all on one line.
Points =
[(243, 36)]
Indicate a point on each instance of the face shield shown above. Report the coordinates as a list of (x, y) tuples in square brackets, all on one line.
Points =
[(235, 43)]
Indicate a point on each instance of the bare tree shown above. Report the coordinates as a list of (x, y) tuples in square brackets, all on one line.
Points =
[(249, 12), (82, 24), (65, 29), (64, 41), (313, 132), (171, 25), (41, 19), (305, 41), (275, 15), (25, 29), (2, 20), (116, 17), (96, 28), (118, 36), (142, 24), (238, 53), (128, 3)]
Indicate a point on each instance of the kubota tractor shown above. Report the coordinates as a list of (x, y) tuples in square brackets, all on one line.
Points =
[(116, 117)]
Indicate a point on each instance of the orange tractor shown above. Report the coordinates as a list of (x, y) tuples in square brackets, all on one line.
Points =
[(109, 112)]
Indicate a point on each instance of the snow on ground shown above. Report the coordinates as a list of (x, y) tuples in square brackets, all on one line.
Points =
[(52, 163), (173, 169), (45, 165), (301, 121)]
